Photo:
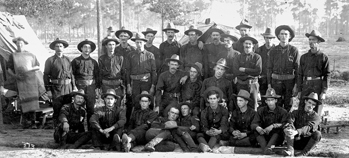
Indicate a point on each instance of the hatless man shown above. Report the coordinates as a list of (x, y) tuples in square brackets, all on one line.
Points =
[(149, 35), (169, 47)]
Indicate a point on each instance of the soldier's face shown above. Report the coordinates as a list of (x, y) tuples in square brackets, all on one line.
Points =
[(284, 36), (59, 47), (86, 49), (78, 100), (268, 40), (228, 42), (248, 46), (213, 100), (170, 34), (241, 102), (185, 110), (109, 101), (20, 44), (192, 36), (144, 102), (193, 73), (173, 65), (313, 42), (140, 44), (244, 31), (173, 114), (219, 71), (271, 102), (150, 37), (111, 46), (216, 36), (123, 37), (309, 105)]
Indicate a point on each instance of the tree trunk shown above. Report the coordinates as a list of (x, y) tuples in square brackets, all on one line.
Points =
[(162, 26), (121, 18), (99, 28)]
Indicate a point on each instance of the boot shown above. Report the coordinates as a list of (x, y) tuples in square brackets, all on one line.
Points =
[(289, 151), (115, 144), (204, 148), (151, 145), (311, 144), (126, 141), (262, 142), (272, 141), (180, 141), (82, 140), (190, 142)]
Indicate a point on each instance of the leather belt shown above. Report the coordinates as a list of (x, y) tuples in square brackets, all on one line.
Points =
[(61, 81), (313, 78), (173, 95), (248, 81), (85, 82), (112, 82), (140, 77), (282, 77)]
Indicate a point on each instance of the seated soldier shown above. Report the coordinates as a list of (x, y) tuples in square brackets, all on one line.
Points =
[(268, 123), (140, 122), (71, 127), (303, 132), (187, 128), (214, 120), (161, 130), (240, 122), (108, 122)]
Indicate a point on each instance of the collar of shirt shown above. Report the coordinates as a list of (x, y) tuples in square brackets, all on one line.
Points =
[(82, 58), (193, 46), (173, 43), (63, 56), (247, 110), (276, 110), (314, 53), (110, 109)]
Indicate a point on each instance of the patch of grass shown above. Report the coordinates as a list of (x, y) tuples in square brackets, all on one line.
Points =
[(337, 95)]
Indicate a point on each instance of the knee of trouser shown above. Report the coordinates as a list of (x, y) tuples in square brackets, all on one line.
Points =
[(316, 135)]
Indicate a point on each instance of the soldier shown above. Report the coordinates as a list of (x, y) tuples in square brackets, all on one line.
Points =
[(140, 122), (263, 51), (190, 53), (247, 67), (58, 76), (71, 127), (283, 66), (108, 122), (86, 73), (142, 74), (230, 56), (187, 128), (168, 87), (150, 36), (244, 28), (240, 122), (303, 132), (110, 34), (191, 90), (214, 120), (314, 71), (218, 80), (213, 52), (268, 123), (169, 47)]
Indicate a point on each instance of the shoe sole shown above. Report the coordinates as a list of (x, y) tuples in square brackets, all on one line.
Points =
[(125, 143)]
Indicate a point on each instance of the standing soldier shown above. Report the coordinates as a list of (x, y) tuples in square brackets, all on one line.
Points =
[(263, 51), (314, 71), (247, 67), (230, 56), (58, 76), (168, 47), (150, 36), (110, 34), (86, 73), (244, 28), (283, 66), (190, 53)]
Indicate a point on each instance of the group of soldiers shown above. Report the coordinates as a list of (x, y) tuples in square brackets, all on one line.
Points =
[(197, 93)]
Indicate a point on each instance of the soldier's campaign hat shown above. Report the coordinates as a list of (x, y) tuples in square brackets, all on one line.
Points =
[(19, 39), (313, 96), (170, 26), (244, 23), (193, 28), (197, 66), (215, 29), (149, 30), (80, 92), (144, 94), (53, 44), (268, 33), (175, 58), (107, 40), (243, 94), (117, 33), (222, 62), (111, 29), (271, 94), (112, 93), (213, 88), (243, 39), (86, 41), (284, 27), (228, 35), (316, 34), (139, 36), (190, 105)]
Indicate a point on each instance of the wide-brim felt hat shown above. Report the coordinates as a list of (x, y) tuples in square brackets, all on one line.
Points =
[(117, 33), (284, 27), (190, 105), (193, 28), (243, 39), (80, 92), (170, 26), (53, 44), (244, 23), (15, 40), (316, 34), (243, 94), (106, 41), (144, 94), (112, 93), (271, 94), (197, 66), (222, 62), (149, 30), (313, 96), (213, 88), (268, 33), (221, 32), (81, 44), (175, 58), (234, 38), (139, 36)]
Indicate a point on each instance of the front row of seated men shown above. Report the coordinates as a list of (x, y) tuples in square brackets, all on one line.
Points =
[(269, 126)]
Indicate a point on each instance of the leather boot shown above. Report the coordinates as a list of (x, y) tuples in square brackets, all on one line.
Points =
[(126, 141), (115, 144), (212, 142), (262, 142), (272, 141), (82, 140), (190, 142), (151, 145), (180, 141), (204, 148), (311, 144), (290, 150)]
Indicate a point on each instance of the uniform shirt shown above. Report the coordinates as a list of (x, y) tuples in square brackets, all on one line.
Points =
[(125, 52), (169, 82), (252, 63), (263, 51), (104, 118), (111, 68), (142, 119), (191, 91), (156, 53), (75, 117), (242, 121), (188, 121), (314, 65), (230, 57), (190, 54), (283, 61), (58, 68), (221, 83), (85, 69), (26, 62), (265, 117), (142, 63), (305, 122), (168, 49), (214, 119), (212, 53)]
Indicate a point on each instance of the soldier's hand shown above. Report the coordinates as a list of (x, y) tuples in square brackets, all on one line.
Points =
[(65, 127), (192, 127), (290, 132), (241, 69), (200, 45), (322, 96), (183, 79), (236, 133), (242, 135), (109, 129), (260, 130), (269, 128), (210, 132), (129, 89)]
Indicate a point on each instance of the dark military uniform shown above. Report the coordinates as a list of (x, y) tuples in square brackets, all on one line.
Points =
[(156, 53), (224, 85), (230, 57), (313, 76), (183, 135), (282, 71), (212, 53), (166, 51), (191, 92), (190, 54), (242, 121)]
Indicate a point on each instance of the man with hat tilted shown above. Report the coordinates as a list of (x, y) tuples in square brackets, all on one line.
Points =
[(314, 70), (71, 123), (86, 73), (244, 28), (303, 133), (230, 55), (240, 130), (108, 122), (269, 122), (169, 47), (58, 75), (247, 68), (149, 35), (218, 80), (191, 53), (283, 65), (140, 122), (263, 51)]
